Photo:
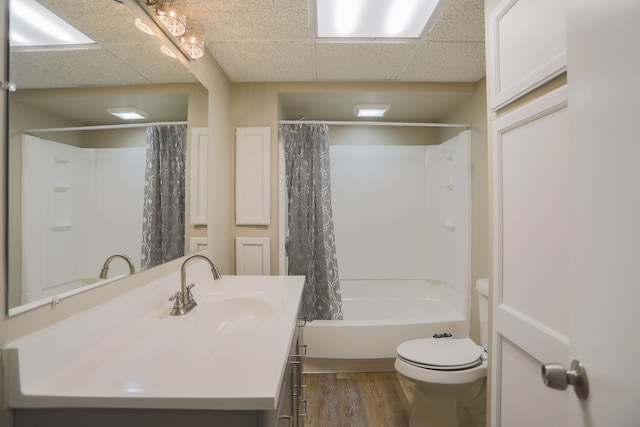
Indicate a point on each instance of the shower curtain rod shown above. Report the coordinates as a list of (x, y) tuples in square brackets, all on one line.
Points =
[(102, 127), (354, 123)]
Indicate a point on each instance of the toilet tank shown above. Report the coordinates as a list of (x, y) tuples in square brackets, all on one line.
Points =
[(482, 286)]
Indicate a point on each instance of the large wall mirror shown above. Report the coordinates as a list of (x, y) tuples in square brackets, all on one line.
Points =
[(76, 173)]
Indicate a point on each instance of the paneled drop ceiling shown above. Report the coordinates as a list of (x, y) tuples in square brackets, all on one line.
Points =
[(257, 41), (268, 41), (265, 40)]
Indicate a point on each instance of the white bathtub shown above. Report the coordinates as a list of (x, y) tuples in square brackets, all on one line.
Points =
[(378, 316)]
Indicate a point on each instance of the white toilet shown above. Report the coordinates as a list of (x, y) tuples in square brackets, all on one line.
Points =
[(449, 375)]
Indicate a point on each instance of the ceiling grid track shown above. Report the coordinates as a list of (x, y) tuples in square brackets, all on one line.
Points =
[(313, 30)]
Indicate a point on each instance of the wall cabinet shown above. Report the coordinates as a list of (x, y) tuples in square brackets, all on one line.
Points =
[(253, 175), (527, 48)]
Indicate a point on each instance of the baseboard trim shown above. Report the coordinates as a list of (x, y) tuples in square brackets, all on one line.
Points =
[(313, 365)]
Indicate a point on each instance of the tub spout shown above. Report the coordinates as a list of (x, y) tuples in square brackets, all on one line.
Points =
[(105, 267)]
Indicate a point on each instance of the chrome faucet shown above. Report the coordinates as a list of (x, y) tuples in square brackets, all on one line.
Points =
[(105, 267), (183, 299)]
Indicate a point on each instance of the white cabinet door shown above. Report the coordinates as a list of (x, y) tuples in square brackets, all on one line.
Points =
[(198, 176), (253, 172), (539, 25)]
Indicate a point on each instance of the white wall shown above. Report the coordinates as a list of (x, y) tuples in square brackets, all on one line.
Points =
[(403, 212), (119, 203), (88, 203), (380, 231)]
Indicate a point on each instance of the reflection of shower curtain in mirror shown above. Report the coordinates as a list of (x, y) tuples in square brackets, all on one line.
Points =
[(164, 195)]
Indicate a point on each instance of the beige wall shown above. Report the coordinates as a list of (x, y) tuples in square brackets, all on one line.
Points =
[(219, 234), (474, 112), (379, 135), (220, 178)]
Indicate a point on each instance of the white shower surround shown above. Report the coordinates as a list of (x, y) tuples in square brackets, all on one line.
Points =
[(390, 258), (77, 199)]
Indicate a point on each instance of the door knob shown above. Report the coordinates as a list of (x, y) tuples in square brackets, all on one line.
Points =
[(556, 377)]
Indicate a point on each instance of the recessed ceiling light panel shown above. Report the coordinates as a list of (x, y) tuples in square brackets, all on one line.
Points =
[(373, 18), (371, 110), (128, 113), (33, 25)]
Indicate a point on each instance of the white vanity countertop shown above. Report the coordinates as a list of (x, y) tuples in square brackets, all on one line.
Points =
[(229, 352)]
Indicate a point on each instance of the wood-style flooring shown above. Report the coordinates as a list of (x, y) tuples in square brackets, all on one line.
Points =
[(369, 399)]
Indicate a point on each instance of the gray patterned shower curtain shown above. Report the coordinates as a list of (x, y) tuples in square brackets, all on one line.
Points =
[(164, 195), (311, 242)]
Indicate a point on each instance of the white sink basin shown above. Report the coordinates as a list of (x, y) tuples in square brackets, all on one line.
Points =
[(228, 353), (231, 313)]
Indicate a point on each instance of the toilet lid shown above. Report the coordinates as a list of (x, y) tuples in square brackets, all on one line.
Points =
[(441, 353)]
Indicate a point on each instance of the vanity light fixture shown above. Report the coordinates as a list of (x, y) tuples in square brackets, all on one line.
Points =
[(371, 110), (192, 43), (377, 19), (128, 113), (172, 17), (170, 14)]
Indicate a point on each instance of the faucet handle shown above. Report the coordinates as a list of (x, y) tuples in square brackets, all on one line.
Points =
[(189, 301), (189, 296), (178, 299), (178, 305)]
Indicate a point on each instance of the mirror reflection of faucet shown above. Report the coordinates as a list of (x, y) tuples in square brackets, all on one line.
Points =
[(183, 299), (105, 267)]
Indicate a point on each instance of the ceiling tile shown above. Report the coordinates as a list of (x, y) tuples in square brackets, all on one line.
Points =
[(26, 75), (241, 20), (152, 64), (103, 30), (460, 20), (447, 62), (94, 67), (265, 61), (85, 7), (362, 61)]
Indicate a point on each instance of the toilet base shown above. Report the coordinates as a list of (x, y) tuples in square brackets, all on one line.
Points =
[(449, 405)]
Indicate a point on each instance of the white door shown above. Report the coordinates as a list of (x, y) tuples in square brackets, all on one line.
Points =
[(567, 232), (604, 120), (531, 272)]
